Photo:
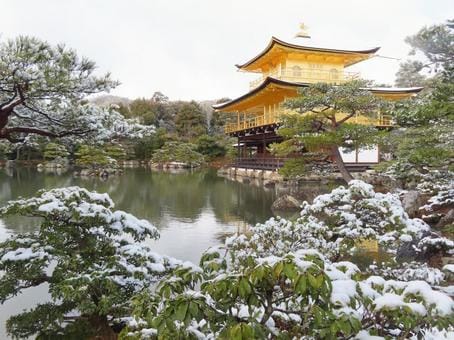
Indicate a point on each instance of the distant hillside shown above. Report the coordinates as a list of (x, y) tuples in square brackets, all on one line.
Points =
[(106, 100)]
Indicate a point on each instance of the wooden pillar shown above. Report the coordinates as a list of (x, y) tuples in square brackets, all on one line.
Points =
[(264, 145), (237, 152)]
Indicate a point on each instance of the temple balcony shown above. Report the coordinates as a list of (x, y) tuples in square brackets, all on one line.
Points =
[(298, 74), (274, 118)]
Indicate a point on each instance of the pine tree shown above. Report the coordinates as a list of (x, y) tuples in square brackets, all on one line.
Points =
[(427, 140), (190, 121), (326, 121), (54, 150), (43, 91)]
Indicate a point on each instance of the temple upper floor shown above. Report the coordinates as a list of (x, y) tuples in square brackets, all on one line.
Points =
[(299, 71), (304, 64)]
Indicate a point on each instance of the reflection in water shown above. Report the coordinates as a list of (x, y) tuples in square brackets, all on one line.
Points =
[(192, 210)]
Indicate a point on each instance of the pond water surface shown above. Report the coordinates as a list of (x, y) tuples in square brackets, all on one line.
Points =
[(192, 210)]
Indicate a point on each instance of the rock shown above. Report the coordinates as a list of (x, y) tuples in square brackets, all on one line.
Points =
[(432, 219), (447, 219), (130, 164), (173, 165), (223, 171), (269, 184), (411, 201), (57, 163), (286, 202), (85, 172), (241, 172), (276, 177), (407, 251)]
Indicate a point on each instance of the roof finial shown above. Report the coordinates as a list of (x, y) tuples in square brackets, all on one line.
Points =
[(303, 32)]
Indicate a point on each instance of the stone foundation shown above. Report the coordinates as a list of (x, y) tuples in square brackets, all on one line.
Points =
[(267, 176)]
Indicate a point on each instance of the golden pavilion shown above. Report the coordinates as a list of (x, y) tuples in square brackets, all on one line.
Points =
[(283, 68)]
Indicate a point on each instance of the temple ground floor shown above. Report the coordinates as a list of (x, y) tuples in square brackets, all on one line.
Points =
[(253, 153)]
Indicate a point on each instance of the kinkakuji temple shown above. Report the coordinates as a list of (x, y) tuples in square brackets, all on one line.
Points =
[(284, 67)]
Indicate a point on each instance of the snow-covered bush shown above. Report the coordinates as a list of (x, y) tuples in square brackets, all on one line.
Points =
[(425, 180), (284, 280), (275, 282), (408, 272), (335, 222), (442, 201), (297, 295), (88, 253)]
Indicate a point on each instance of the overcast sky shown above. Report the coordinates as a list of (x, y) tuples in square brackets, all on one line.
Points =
[(187, 48)]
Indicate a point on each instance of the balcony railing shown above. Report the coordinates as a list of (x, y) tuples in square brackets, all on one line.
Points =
[(274, 118), (306, 75)]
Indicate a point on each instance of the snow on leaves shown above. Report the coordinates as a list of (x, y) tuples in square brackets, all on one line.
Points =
[(282, 280), (275, 282)]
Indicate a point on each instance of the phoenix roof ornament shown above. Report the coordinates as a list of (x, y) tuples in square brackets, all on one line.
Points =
[(303, 33)]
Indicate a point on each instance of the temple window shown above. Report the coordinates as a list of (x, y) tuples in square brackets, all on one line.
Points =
[(296, 71)]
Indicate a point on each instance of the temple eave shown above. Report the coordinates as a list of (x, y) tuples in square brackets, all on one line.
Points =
[(354, 56)]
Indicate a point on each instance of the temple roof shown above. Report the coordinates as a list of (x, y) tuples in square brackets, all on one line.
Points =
[(269, 81), (351, 56)]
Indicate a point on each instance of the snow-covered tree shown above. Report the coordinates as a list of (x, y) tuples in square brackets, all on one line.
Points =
[(90, 256), (425, 139), (43, 90)]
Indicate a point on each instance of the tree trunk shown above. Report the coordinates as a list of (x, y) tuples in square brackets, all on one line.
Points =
[(102, 329), (337, 158)]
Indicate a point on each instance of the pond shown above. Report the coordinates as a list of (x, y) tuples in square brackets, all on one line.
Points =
[(192, 210)]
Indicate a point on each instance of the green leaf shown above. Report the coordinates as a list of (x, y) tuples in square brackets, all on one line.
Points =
[(193, 309), (289, 270), (301, 285), (312, 281), (278, 269), (244, 287), (181, 310), (319, 281)]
